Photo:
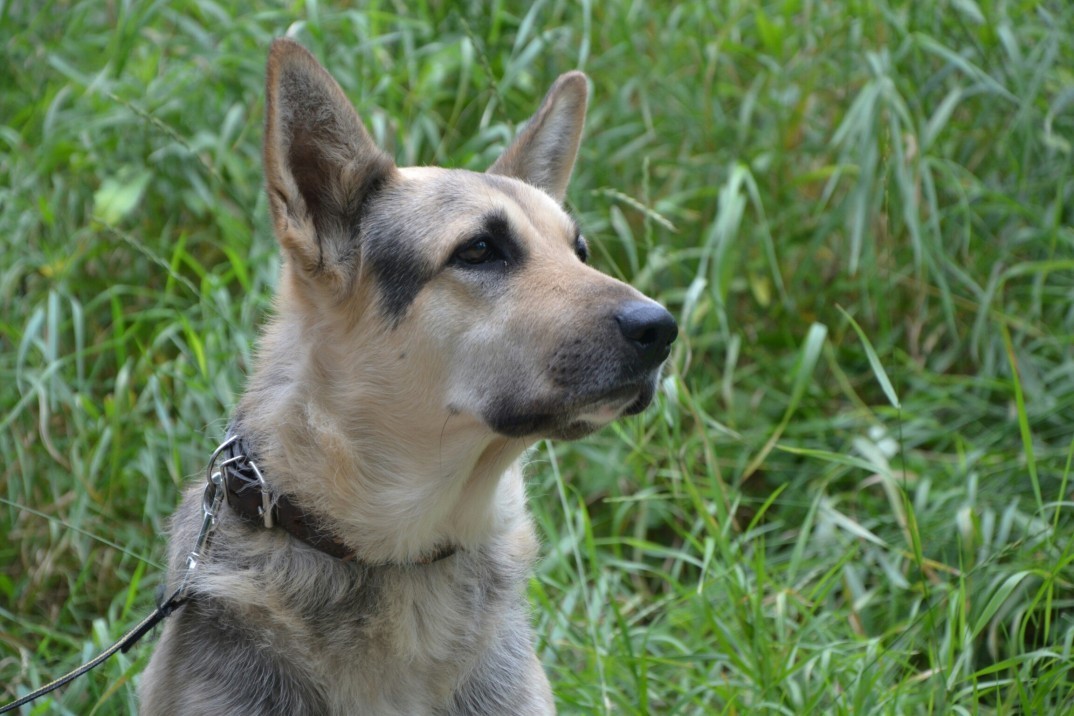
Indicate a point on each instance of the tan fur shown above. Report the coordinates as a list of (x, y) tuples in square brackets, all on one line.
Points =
[(396, 388)]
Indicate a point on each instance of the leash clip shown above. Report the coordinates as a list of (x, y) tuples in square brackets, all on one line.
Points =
[(211, 501)]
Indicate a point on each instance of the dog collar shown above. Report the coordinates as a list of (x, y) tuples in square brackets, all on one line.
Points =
[(254, 501)]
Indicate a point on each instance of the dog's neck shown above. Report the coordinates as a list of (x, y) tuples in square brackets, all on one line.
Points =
[(465, 493)]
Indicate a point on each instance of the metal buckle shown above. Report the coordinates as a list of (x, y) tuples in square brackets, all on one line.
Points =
[(265, 510), (266, 501)]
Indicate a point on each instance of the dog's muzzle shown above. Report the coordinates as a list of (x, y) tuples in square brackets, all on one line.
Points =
[(597, 374)]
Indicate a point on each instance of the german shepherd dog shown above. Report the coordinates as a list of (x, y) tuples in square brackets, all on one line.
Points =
[(431, 324)]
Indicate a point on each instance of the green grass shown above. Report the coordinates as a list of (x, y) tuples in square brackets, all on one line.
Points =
[(854, 495)]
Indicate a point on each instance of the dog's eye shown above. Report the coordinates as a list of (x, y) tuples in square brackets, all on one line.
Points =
[(477, 253), (581, 248)]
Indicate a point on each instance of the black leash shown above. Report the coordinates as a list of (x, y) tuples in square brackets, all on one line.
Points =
[(212, 499), (238, 473), (124, 644)]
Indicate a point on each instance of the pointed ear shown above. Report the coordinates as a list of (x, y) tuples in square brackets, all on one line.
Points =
[(543, 155), (320, 164)]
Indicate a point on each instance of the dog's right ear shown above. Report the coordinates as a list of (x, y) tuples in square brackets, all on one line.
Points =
[(320, 164)]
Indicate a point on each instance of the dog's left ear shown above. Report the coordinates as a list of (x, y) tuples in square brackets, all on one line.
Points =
[(543, 155)]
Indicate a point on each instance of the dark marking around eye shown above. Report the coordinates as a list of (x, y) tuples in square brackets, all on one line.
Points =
[(398, 266), (401, 272)]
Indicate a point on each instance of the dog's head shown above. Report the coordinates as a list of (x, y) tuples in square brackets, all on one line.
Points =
[(456, 295)]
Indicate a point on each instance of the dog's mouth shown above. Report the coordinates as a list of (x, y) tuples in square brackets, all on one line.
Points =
[(629, 400), (573, 420)]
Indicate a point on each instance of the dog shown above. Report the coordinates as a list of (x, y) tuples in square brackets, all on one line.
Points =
[(430, 325)]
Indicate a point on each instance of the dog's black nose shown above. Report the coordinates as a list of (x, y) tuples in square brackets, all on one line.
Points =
[(649, 328)]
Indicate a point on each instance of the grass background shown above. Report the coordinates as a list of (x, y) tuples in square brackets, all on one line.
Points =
[(854, 495)]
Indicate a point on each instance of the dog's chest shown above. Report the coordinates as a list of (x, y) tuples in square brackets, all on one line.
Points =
[(404, 643)]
